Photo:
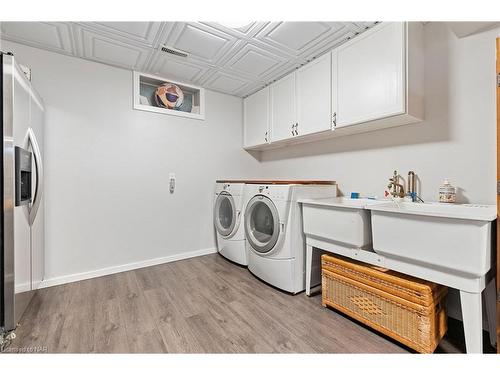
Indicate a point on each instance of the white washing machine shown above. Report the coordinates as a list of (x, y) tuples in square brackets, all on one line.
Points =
[(228, 221), (273, 228)]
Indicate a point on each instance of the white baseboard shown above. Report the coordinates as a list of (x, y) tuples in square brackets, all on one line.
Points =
[(122, 268), (21, 288)]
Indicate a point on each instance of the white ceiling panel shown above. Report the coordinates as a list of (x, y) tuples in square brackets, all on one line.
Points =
[(52, 36), (142, 32), (245, 33), (171, 67), (225, 82), (235, 59), (295, 36), (254, 61), (200, 41), (110, 51)]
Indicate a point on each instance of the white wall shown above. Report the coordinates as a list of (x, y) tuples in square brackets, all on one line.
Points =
[(457, 139), (107, 166)]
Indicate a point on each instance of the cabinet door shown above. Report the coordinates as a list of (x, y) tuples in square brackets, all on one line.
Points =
[(256, 118), (371, 75), (283, 116), (314, 96)]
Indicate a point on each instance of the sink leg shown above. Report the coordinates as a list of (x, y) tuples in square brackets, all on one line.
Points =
[(472, 317), (313, 269), (490, 294), (309, 251)]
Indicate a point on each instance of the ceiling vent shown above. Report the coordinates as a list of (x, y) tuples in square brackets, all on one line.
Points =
[(172, 51)]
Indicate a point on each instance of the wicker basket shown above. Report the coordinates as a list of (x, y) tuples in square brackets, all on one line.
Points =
[(410, 310)]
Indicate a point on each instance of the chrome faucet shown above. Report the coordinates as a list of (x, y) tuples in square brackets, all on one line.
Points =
[(395, 188)]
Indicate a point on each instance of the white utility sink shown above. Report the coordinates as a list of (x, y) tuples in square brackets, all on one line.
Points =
[(343, 221), (449, 244), (448, 237)]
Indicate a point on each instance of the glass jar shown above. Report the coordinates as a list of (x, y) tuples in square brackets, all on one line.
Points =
[(447, 192)]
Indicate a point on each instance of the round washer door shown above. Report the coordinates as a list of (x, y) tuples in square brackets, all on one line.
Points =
[(224, 214), (262, 227)]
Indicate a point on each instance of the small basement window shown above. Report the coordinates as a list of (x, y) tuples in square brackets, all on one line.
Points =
[(161, 95)]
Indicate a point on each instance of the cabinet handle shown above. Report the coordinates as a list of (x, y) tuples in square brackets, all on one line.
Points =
[(334, 119), (265, 137)]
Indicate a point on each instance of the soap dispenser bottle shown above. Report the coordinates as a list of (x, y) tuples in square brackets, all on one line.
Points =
[(447, 192)]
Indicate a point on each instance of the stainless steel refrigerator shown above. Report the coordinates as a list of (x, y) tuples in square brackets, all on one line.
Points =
[(22, 216)]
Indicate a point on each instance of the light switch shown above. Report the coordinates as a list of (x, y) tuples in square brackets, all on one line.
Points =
[(171, 177)]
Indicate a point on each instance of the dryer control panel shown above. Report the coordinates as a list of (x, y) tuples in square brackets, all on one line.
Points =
[(274, 192)]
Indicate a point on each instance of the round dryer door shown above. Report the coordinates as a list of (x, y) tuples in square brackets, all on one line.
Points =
[(225, 214), (262, 227)]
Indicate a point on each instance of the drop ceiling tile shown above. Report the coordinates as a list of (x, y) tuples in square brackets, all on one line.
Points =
[(298, 37), (295, 35), (203, 78), (221, 81), (245, 32), (200, 41), (110, 51), (177, 68), (163, 34), (254, 61), (52, 36), (142, 32)]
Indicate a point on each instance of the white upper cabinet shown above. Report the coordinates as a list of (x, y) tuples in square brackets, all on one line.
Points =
[(256, 119), (373, 81), (314, 99), (371, 77), (283, 105), (375, 75)]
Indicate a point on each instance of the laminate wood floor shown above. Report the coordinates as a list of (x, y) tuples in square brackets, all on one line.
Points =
[(198, 305)]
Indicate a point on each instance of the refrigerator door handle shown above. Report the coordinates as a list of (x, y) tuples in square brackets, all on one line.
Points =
[(37, 197)]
